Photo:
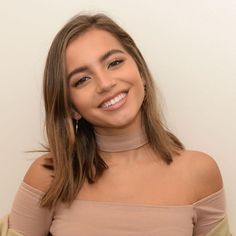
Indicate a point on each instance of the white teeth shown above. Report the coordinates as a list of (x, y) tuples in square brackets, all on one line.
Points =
[(114, 100)]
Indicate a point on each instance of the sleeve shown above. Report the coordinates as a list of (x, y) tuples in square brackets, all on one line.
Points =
[(208, 212), (4, 228), (26, 216)]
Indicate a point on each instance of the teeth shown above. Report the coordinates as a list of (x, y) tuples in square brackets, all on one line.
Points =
[(114, 100)]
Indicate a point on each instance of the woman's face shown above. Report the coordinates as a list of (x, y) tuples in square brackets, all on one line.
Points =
[(105, 85)]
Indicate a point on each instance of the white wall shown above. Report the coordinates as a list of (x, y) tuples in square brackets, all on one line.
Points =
[(189, 45)]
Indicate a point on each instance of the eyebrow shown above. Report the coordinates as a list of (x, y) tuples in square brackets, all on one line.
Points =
[(101, 59)]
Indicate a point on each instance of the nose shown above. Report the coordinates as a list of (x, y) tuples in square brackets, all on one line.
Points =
[(105, 82)]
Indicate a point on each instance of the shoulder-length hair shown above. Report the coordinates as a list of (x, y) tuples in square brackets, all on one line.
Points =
[(75, 154)]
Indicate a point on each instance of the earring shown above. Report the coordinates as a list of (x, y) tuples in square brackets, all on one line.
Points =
[(76, 125)]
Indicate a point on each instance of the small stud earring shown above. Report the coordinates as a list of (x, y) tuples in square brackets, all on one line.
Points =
[(76, 126)]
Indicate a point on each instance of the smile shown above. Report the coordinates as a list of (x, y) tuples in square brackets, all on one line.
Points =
[(115, 102)]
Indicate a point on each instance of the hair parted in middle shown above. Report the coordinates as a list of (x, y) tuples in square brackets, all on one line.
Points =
[(75, 155)]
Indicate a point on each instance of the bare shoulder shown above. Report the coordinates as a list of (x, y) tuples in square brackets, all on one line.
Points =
[(203, 172), (40, 173)]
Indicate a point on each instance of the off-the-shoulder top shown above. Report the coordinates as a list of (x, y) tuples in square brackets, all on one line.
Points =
[(95, 218)]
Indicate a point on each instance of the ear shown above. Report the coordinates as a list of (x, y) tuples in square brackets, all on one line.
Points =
[(144, 81), (75, 114)]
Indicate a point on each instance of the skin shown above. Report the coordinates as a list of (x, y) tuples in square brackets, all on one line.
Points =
[(193, 175), (102, 80)]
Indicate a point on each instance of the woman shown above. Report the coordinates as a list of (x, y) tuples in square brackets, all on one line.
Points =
[(112, 167)]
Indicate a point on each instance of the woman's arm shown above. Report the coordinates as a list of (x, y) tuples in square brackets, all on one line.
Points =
[(209, 208), (26, 216)]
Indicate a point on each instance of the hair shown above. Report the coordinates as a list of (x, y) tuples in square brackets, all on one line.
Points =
[(75, 156)]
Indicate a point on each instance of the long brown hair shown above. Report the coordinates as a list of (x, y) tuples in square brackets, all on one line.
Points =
[(75, 155)]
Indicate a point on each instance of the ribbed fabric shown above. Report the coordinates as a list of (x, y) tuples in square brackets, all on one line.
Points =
[(26, 216), (120, 143), (208, 212), (94, 218)]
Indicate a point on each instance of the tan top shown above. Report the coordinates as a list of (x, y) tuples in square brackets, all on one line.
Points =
[(96, 218), (93, 218)]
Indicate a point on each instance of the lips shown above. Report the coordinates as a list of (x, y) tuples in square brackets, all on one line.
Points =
[(111, 100)]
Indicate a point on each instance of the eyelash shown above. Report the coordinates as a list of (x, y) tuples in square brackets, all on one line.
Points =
[(114, 63), (85, 78), (81, 81)]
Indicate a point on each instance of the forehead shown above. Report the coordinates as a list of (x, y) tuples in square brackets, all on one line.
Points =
[(89, 46)]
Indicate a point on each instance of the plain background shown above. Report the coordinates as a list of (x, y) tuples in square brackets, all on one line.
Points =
[(189, 45)]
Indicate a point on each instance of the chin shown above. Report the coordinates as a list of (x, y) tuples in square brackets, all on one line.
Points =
[(120, 120), (125, 120)]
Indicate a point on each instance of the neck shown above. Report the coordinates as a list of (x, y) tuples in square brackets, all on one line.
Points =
[(125, 141)]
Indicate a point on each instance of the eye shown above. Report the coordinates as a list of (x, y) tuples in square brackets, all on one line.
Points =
[(115, 63), (81, 81)]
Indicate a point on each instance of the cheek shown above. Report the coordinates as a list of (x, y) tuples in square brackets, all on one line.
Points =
[(138, 82), (140, 90), (80, 100), (134, 75)]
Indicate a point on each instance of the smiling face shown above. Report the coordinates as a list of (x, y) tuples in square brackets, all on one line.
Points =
[(105, 85)]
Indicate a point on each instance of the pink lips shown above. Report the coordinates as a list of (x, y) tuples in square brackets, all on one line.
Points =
[(117, 105), (106, 99)]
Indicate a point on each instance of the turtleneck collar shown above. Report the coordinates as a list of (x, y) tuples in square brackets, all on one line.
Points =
[(119, 143)]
